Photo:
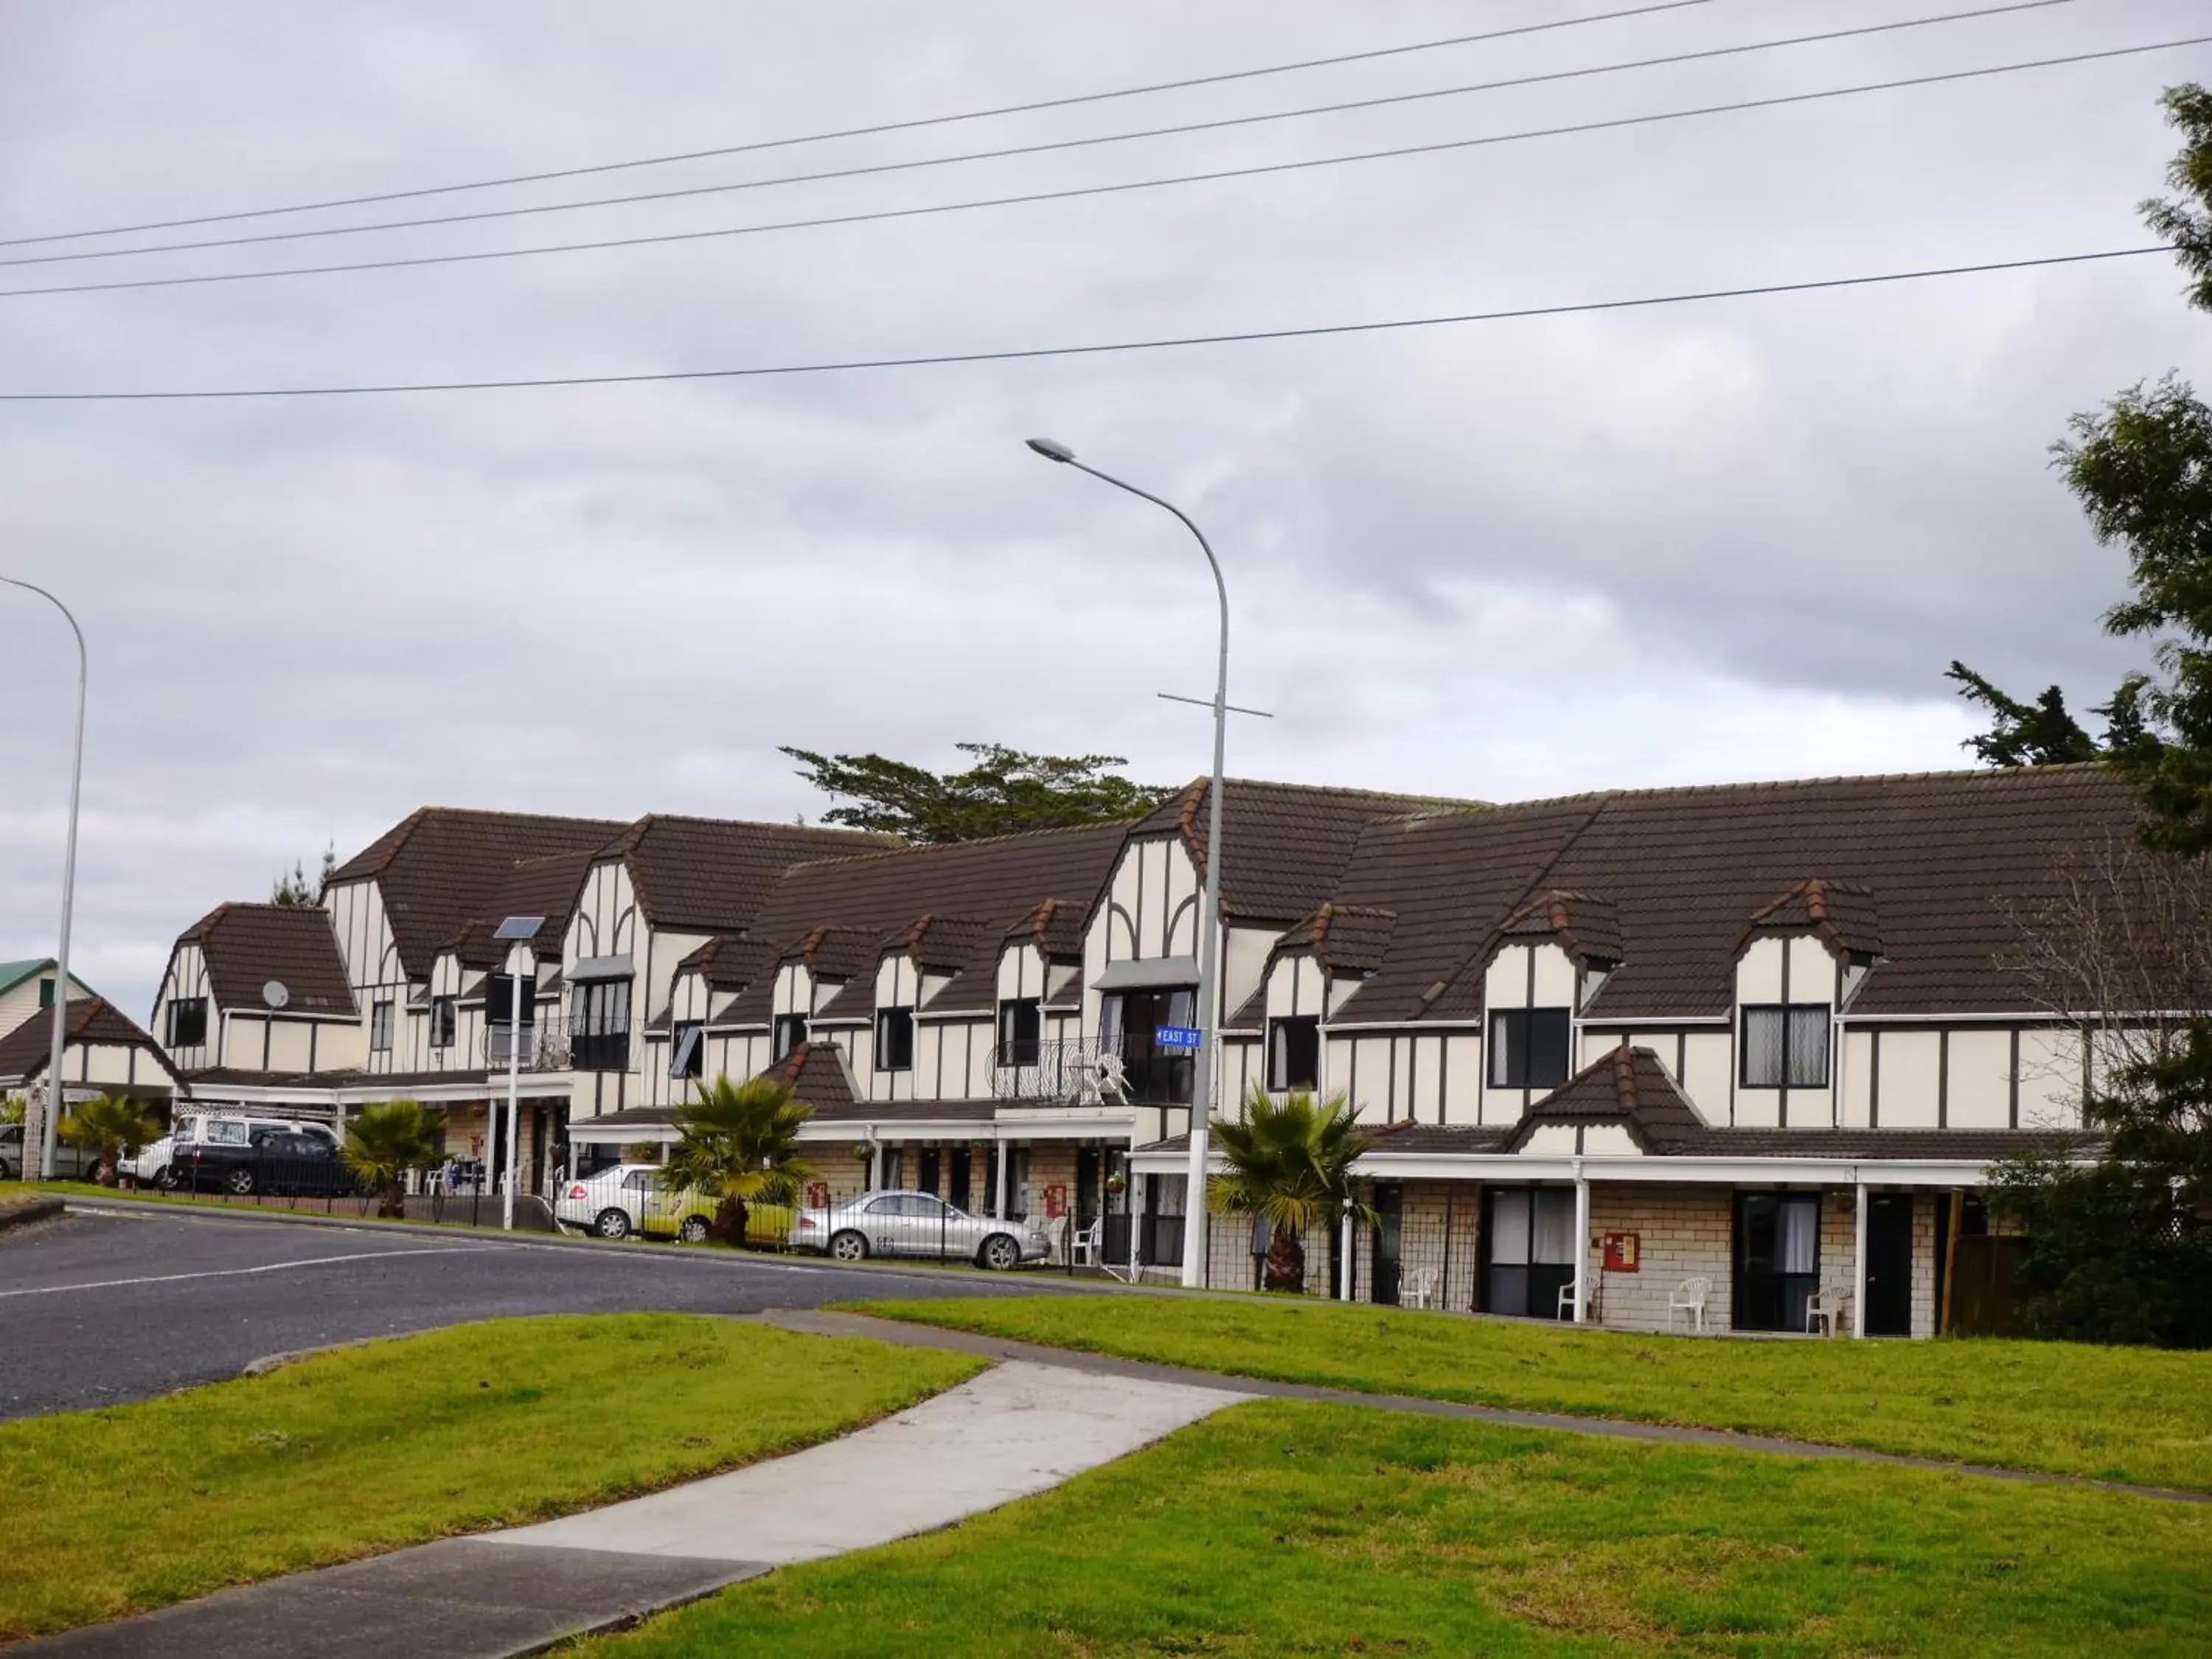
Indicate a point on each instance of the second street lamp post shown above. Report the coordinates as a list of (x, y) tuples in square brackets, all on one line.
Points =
[(68, 895), (516, 933), (1209, 937)]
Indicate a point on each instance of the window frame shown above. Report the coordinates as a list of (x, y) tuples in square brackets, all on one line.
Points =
[(1495, 1070), (1013, 1049), (888, 1020), (1789, 1014), (687, 1061), (445, 1021), (381, 1021), (198, 1008), (1280, 1031), (794, 1026)]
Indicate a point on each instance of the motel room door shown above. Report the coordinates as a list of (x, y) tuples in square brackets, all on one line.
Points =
[(1889, 1264)]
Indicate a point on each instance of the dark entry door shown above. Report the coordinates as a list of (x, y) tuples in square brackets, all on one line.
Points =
[(927, 1176), (1889, 1265), (1777, 1258), (1390, 1234), (1527, 1250), (963, 1170)]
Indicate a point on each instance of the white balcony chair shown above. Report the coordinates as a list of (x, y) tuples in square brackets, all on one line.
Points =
[(1055, 1237), (1567, 1303), (1090, 1243), (1823, 1309), (1417, 1288), (1688, 1300)]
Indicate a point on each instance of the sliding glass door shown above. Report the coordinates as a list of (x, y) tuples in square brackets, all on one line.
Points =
[(1527, 1250), (1777, 1258)]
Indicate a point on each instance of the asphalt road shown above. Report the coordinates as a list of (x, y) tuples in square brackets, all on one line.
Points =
[(101, 1308)]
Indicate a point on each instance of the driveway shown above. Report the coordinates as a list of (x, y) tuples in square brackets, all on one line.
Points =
[(101, 1308)]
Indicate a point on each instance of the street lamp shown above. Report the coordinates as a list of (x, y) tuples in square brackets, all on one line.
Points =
[(68, 895), (516, 933), (1209, 938)]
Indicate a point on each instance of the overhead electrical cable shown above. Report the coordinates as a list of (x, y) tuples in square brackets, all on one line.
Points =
[(1243, 336), (918, 123), (1673, 59), (1078, 192)]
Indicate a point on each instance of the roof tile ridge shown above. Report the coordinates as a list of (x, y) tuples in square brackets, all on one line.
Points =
[(1776, 786), (1537, 883), (1349, 790)]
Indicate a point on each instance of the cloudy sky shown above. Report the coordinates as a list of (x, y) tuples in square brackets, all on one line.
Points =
[(1722, 541)]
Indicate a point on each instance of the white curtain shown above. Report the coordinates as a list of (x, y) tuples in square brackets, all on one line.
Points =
[(1555, 1226), (1508, 1229), (1800, 1229)]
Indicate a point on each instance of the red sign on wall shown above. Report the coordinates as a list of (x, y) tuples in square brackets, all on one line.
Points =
[(1622, 1252), (817, 1196), (1055, 1200)]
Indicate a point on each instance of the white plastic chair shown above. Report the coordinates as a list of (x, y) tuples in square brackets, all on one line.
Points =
[(1822, 1309), (1567, 1303), (1055, 1237), (1090, 1242), (1688, 1300), (1417, 1288)]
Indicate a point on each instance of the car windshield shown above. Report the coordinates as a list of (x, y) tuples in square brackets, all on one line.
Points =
[(228, 1133)]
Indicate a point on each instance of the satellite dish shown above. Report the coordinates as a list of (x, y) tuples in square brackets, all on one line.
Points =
[(275, 994)]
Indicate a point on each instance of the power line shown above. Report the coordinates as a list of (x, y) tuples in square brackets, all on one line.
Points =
[(1078, 192), (1027, 108), (1024, 354), (871, 169)]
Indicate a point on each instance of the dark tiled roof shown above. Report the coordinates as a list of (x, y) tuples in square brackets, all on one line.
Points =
[(816, 1076), (861, 1113), (1586, 926), (1426, 1138), (634, 1117), (841, 913), (91, 1022), (546, 887), (1840, 912), (946, 945), (1628, 1087), (1896, 1146), (728, 964), (710, 875), (1055, 927), (351, 1077), (441, 868), (1285, 845), (247, 945)]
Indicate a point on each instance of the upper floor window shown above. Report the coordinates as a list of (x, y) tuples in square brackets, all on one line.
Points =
[(1021, 1032), (188, 1023), (1528, 1048), (790, 1031), (445, 1021), (1294, 1053), (599, 1025), (894, 1040), (45, 994), (1786, 1046), (687, 1051), (379, 1026)]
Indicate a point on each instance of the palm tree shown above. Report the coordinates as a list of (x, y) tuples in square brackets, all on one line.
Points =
[(1289, 1163), (389, 1139), (112, 1127), (740, 1141)]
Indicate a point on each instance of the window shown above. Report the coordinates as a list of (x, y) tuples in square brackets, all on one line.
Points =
[(1777, 1258), (599, 1025), (687, 1053), (1786, 1046), (1021, 1032), (894, 1040), (380, 1027), (1528, 1048), (1129, 1025), (445, 1021), (1527, 1250), (188, 1023), (45, 994), (500, 1000), (790, 1032), (1294, 1053)]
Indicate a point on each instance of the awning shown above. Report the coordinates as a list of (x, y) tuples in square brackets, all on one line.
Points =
[(1148, 973), (655, 1123), (600, 968)]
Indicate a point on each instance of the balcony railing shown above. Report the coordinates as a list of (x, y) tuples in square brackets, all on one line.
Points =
[(558, 1043), (1086, 1072)]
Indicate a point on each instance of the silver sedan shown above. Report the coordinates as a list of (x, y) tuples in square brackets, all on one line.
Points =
[(915, 1224)]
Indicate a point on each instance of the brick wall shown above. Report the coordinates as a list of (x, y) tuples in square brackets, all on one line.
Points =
[(1682, 1231)]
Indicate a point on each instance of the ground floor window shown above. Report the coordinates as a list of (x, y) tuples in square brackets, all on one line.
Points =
[(1777, 1258), (1389, 1239), (1527, 1250)]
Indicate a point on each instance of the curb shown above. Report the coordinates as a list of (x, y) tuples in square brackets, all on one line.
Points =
[(23, 1214)]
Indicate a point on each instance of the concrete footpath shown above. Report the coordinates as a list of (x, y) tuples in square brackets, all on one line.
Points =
[(1016, 1429)]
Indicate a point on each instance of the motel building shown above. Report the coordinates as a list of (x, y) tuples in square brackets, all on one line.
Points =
[(1734, 1057)]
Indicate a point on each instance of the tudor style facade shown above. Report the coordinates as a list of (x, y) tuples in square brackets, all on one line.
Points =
[(1761, 1036)]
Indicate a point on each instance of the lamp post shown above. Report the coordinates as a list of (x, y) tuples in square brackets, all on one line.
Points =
[(517, 931), (68, 895), (1209, 937)]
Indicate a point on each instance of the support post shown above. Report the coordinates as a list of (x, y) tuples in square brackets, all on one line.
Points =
[(516, 958), (1582, 1244), (999, 1192), (1859, 1265)]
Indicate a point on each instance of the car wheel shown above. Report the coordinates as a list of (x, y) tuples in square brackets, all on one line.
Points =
[(849, 1246), (240, 1181), (694, 1229), (613, 1222), (170, 1179), (999, 1254)]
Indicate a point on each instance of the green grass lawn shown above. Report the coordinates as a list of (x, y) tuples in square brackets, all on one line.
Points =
[(395, 1442), (1280, 1528), (2118, 1413)]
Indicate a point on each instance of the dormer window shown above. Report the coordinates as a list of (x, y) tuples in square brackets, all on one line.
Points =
[(1294, 1053), (188, 1023), (1528, 1048), (1785, 1045), (894, 1040), (789, 1033)]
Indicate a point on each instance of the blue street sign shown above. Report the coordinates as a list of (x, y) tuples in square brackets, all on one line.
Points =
[(1183, 1038)]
